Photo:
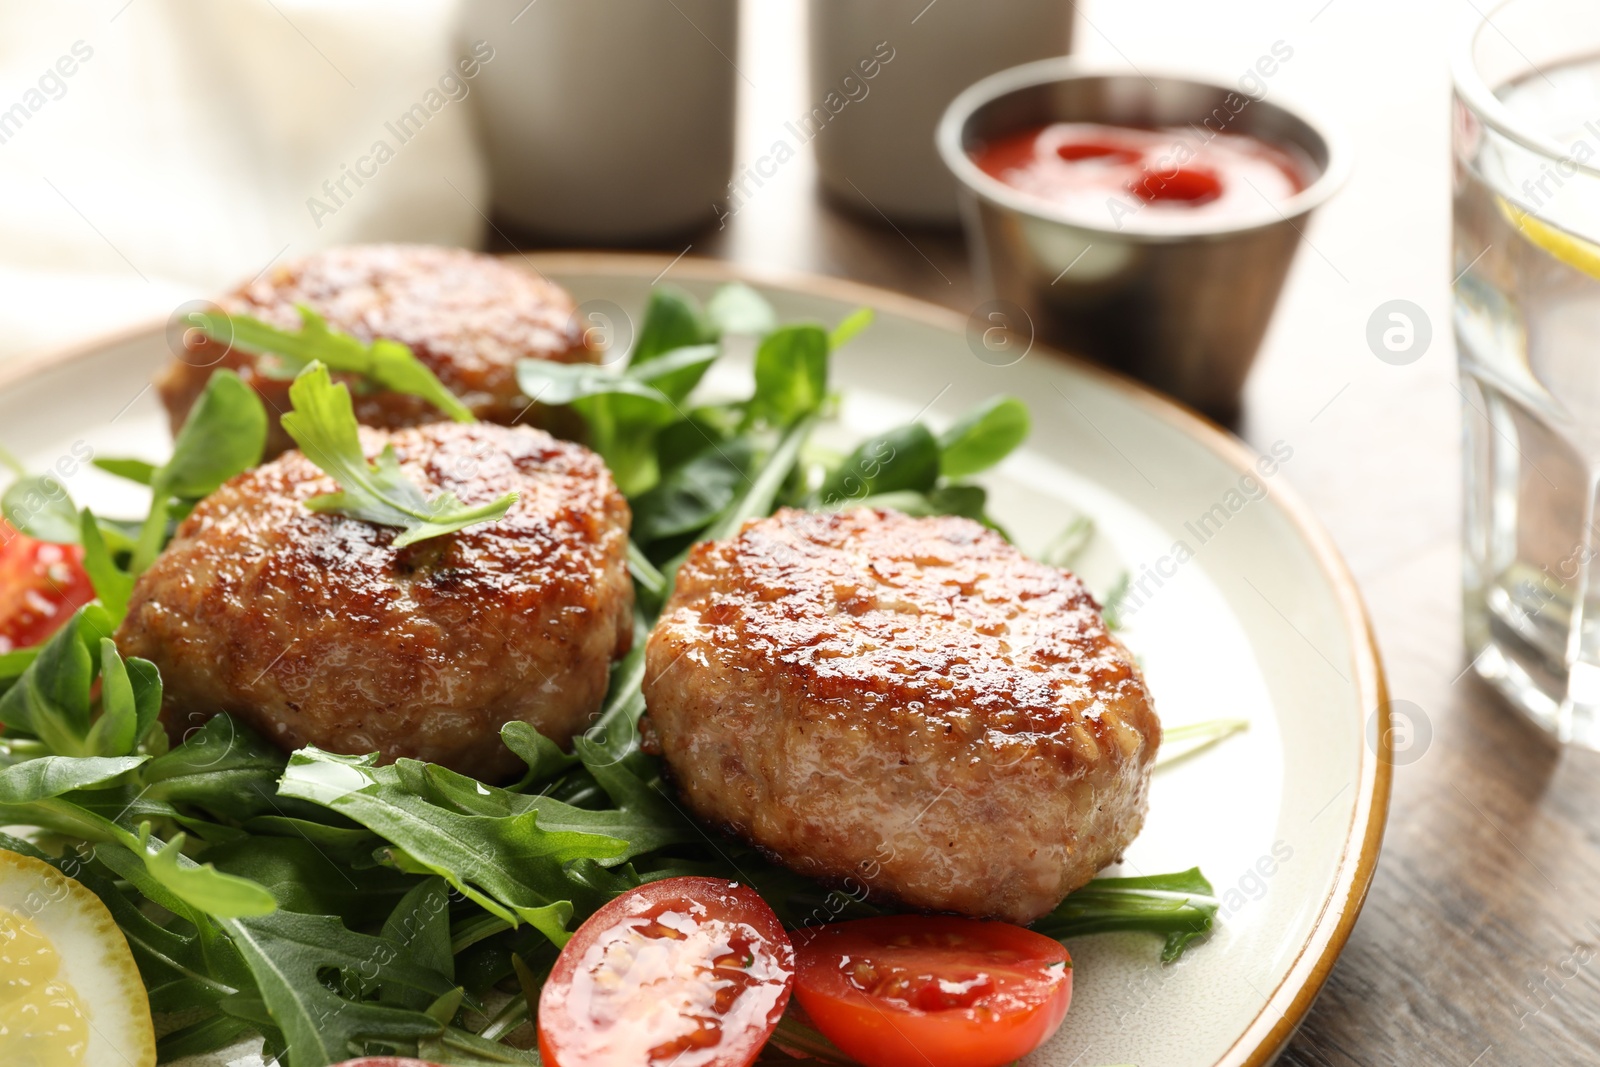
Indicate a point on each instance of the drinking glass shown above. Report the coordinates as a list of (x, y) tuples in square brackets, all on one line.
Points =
[(1526, 176)]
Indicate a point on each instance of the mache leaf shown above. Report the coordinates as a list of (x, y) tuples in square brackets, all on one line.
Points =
[(224, 434), (52, 776), (112, 586), (905, 458), (672, 319), (983, 437), (51, 700), (738, 309), (41, 508), (791, 373)]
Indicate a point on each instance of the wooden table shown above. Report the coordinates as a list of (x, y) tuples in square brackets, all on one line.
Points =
[(1480, 942)]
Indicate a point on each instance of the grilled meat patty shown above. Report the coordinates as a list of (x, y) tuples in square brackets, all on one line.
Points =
[(312, 628), (467, 316), (909, 703)]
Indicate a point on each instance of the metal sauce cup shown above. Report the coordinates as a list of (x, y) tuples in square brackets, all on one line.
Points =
[(1181, 303)]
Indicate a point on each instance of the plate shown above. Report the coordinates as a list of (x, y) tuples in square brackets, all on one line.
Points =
[(1238, 607)]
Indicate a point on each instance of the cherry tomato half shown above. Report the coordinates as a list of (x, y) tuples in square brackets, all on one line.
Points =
[(41, 585), (693, 972), (946, 992)]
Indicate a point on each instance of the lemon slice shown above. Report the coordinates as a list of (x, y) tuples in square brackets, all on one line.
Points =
[(1575, 252), (70, 994)]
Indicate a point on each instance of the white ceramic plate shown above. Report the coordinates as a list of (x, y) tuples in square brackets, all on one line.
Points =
[(1241, 608)]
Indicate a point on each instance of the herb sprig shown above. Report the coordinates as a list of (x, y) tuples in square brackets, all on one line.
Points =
[(323, 423), (383, 363)]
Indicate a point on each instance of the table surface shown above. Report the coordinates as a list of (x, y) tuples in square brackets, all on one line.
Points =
[(1477, 945)]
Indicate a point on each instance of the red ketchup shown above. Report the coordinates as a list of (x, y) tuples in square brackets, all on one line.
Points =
[(1114, 172)]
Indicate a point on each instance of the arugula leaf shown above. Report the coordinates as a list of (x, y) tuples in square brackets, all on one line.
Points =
[(41, 508), (323, 424), (202, 886), (301, 877), (791, 373), (1116, 596), (639, 820), (1070, 544), (737, 308), (197, 1039), (983, 437), (509, 865), (385, 363), (543, 756), (288, 953), (420, 924), (905, 458), (1182, 906), (113, 587), (1179, 743), (224, 434)]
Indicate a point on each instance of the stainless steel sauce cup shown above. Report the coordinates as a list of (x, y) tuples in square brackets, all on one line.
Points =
[(1181, 303)]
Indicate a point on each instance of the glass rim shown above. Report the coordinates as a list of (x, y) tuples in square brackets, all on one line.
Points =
[(1489, 109)]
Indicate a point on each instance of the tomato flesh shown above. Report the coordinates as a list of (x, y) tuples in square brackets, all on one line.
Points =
[(934, 990), (41, 585), (693, 972)]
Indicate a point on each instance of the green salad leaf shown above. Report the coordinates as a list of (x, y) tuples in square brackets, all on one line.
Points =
[(384, 363), (323, 424)]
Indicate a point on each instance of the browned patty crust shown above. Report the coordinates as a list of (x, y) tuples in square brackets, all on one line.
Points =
[(467, 316), (907, 702), (312, 628)]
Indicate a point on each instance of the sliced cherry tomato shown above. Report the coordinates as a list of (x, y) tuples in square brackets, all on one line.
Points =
[(693, 972), (41, 585), (946, 992)]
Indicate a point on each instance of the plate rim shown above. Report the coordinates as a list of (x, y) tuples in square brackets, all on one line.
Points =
[(1289, 1003)]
